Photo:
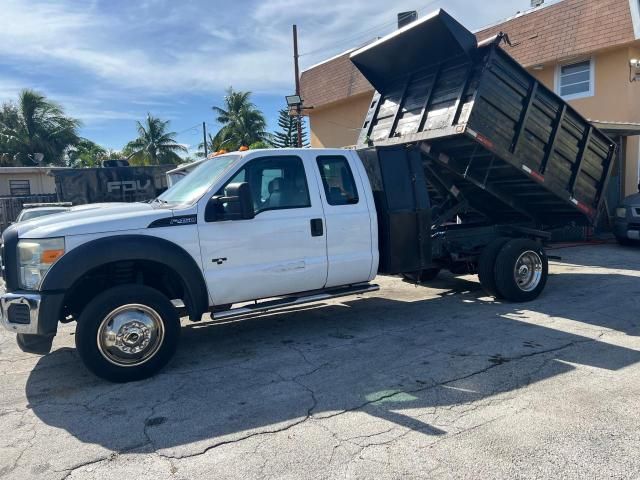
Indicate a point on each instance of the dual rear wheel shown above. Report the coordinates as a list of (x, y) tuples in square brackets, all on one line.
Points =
[(513, 269)]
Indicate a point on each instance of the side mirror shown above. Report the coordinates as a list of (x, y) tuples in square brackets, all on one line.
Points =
[(236, 204)]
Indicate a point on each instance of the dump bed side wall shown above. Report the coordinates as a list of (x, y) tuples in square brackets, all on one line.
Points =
[(531, 126), (507, 136)]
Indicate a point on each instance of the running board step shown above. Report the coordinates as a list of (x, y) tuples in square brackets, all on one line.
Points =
[(292, 300)]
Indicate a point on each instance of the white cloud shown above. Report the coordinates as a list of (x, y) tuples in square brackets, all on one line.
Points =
[(228, 46), (110, 61)]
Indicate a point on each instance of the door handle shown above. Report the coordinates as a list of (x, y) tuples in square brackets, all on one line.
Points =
[(317, 229)]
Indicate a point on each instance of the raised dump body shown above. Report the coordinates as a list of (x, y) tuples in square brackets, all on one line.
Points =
[(494, 139)]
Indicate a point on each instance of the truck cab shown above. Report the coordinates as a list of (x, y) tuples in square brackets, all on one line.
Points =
[(241, 227), (310, 222)]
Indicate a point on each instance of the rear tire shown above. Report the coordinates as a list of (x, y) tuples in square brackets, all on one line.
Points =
[(521, 270), (127, 333), (487, 264), (422, 276)]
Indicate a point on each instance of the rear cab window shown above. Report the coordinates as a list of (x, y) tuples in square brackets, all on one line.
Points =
[(337, 180)]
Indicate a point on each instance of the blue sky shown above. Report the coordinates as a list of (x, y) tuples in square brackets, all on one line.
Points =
[(109, 62)]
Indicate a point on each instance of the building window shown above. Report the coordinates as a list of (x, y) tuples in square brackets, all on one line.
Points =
[(575, 80), (19, 187)]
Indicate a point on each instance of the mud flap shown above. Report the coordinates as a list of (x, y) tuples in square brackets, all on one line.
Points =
[(38, 344)]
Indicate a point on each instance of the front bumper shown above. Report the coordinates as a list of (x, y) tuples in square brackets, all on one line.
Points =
[(20, 311), (30, 313), (625, 229)]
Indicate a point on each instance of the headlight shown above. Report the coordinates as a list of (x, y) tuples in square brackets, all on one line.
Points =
[(35, 258), (621, 212)]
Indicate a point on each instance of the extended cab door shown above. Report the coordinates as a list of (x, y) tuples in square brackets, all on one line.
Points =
[(350, 218), (283, 249)]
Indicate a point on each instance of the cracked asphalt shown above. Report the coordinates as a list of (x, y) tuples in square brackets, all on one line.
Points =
[(433, 381)]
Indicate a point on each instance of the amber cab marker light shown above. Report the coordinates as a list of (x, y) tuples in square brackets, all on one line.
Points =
[(243, 148)]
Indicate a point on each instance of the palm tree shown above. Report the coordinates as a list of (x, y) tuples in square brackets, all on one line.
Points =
[(36, 127), (214, 144), (242, 123), (86, 154), (154, 145)]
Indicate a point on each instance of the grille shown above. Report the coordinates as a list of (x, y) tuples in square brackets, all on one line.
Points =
[(19, 314)]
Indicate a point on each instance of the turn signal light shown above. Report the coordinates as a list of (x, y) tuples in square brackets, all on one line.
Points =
[(50, 256)]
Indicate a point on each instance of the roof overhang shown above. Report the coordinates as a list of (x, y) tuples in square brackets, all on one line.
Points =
[(31, 169), (622, 129), (380, 62)]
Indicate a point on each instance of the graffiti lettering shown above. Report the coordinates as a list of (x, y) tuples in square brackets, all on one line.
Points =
[(128, 186)]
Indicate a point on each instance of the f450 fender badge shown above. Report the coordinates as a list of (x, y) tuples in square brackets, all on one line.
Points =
[(174, 221)]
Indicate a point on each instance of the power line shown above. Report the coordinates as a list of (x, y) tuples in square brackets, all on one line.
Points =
[(197, 125), (368, 31)]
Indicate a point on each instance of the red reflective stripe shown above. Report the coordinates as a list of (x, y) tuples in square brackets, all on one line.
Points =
[(537, 176), (484, 141), (584, 208)]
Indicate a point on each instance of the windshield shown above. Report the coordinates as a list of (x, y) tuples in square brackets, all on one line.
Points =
[(196, 183)]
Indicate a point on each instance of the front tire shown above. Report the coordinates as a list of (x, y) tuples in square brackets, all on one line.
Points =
[(127, 333), (522, 269)]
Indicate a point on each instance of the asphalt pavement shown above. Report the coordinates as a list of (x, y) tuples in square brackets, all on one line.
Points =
[(434, 381)]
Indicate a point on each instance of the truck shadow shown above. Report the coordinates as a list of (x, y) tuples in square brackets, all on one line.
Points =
[(381, 357)]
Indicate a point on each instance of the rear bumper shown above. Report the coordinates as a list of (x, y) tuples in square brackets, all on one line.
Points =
[(30, 313), (625, 229)]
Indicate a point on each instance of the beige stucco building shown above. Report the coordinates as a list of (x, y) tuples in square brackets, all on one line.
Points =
[(579, 48), (23, 181)]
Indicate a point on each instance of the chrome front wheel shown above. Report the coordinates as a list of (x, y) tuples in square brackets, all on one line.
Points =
[(127, 333), (130, 335)]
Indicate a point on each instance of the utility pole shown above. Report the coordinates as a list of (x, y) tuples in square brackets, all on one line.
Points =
[(204, 135), (297, 73)]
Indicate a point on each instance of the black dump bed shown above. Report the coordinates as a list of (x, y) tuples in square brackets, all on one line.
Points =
[(494, 140)]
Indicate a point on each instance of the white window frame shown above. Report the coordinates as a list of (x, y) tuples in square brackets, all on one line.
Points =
[(12, 188), (592, 78), (624, 160), (634, 6)]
